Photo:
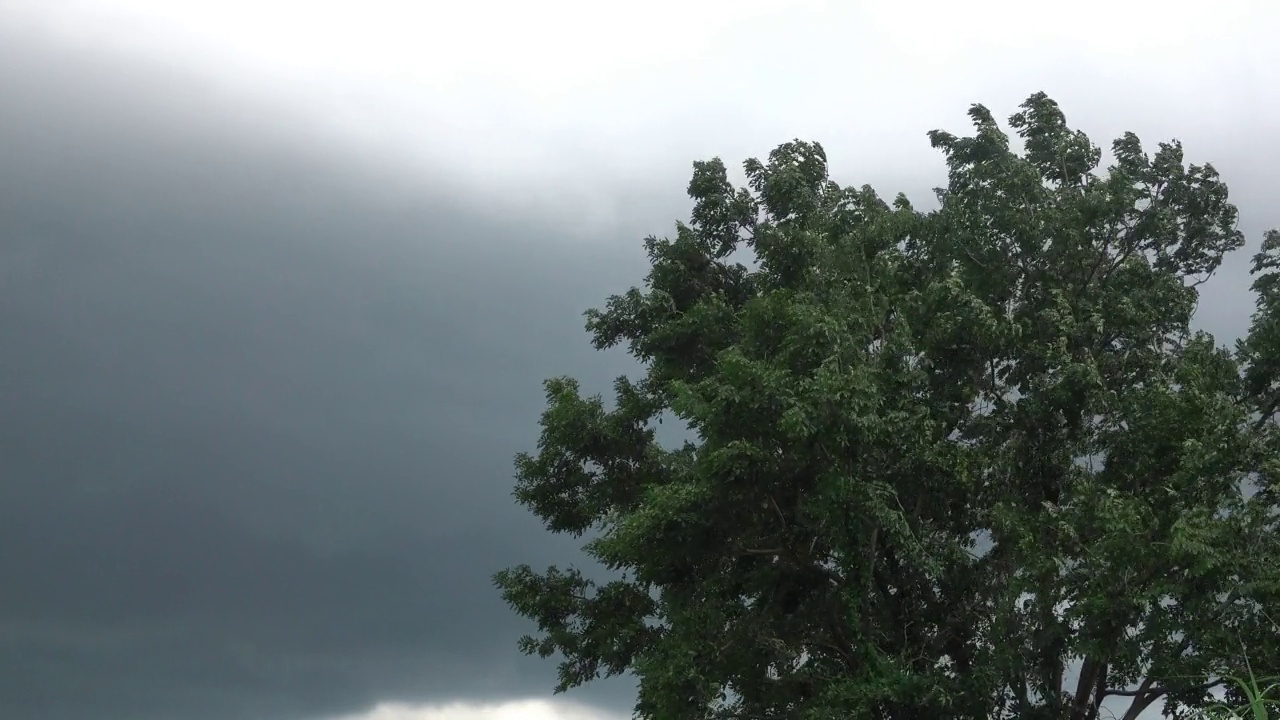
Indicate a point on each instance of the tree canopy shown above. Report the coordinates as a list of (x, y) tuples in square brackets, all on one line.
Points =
[(971, 462)]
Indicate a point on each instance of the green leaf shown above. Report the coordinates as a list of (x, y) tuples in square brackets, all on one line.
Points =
[(971, 462)]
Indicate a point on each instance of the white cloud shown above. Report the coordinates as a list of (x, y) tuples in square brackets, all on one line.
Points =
[(522, 710), (575, 103)]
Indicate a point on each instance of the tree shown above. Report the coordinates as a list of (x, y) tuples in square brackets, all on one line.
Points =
[(971, 462)]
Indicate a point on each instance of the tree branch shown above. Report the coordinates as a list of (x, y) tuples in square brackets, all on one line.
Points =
[(1157, 691), (762, 551), (1146, 694), (1142, 699), (1267, 413), (1084, 685)]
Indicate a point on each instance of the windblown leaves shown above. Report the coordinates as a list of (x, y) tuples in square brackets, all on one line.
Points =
[(938, 458)]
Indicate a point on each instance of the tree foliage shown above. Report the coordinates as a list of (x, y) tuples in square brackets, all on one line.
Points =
[(971, 462)]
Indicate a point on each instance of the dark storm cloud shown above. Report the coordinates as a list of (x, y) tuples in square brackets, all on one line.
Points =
[(258, 402), (257, 412)]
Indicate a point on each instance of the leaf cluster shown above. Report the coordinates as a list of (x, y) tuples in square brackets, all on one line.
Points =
[(971, 462)]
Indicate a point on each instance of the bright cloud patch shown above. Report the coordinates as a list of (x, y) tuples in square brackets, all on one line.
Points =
[(524, 710)]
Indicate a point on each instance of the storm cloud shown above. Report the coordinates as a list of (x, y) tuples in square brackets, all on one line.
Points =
[(263, 371), (258, 412)]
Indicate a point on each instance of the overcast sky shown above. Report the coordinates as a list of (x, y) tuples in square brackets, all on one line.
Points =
[(279, 282)]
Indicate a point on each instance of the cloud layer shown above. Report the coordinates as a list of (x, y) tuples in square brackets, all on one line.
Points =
[(258, 413), (274, 323)]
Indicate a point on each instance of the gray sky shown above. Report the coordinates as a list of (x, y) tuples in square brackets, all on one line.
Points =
[(278, 287)]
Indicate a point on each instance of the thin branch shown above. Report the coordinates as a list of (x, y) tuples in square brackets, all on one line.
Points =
[(1146, 694), (781, 517), (975, 260), (1268, 413), (1143, 699), (1203, 687)]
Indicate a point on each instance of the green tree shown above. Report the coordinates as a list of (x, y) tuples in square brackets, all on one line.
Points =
[(965, 463)]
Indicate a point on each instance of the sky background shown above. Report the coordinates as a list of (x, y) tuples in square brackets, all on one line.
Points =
[(279, 283)]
